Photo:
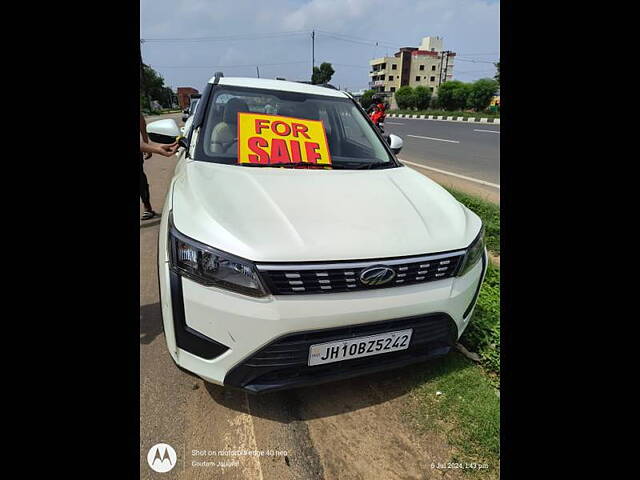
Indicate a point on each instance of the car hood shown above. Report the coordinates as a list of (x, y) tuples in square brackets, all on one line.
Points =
[(284, 215)]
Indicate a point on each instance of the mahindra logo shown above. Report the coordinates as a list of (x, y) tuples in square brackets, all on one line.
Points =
[(161, 457), (378, 275)]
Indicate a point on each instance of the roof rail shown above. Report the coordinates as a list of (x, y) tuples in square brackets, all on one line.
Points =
[(325, 85)]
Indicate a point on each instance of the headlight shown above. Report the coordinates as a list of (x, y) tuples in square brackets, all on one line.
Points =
[(474, 254), (211, 267)]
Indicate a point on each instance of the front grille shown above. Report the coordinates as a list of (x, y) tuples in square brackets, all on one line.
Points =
[(283, 363), (284, 279)]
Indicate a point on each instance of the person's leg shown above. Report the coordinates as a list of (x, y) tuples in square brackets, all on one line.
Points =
[(145, 195)]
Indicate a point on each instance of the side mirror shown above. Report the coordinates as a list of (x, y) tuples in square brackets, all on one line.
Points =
[(396, 143), (163, 131)]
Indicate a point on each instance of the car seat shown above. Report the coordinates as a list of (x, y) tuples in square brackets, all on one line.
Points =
[(225, 133)]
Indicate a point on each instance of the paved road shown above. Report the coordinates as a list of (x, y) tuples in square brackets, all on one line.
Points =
[(346, 430), (472, 150)]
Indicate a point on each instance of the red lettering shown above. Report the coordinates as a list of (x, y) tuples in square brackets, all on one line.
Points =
[(295, 152), (312, 155), (274, 128), (299, 128), (254, 145), (279, 152), (261, 124)]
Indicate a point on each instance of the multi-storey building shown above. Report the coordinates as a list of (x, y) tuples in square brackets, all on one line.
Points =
[(427, 65)]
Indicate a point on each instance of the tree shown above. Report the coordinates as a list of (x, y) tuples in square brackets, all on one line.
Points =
[(453, 95), (405, 97), (422, 97), (152, 88), (323, 74), (367, 99), (497, 75), (481, 93)]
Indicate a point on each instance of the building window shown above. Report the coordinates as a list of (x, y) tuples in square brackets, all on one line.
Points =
[(381, 77), (433, 68), (390, 78), (418, 78), (394, 66), (393, 89), (433, 79), (431, 88), (421, 67)]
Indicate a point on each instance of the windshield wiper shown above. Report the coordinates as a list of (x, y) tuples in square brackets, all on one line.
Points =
[(335, 166), (288, 165), (369, 165)]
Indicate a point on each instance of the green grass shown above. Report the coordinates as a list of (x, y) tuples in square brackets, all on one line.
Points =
[(467, 411), (489, 213), (482, 335), (447, 114)]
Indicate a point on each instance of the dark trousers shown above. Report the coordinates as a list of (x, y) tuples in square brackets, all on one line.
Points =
[(145, 196)]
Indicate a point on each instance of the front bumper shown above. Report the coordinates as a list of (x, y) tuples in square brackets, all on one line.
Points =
[(218, 335)]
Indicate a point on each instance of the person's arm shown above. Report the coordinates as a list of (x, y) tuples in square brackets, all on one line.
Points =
[(143, 129), (164, 150)]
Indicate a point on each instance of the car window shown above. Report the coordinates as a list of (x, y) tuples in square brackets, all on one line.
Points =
[(349, 136)]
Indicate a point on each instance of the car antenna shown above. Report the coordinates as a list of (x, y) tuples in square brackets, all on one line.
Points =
[(218, 76)]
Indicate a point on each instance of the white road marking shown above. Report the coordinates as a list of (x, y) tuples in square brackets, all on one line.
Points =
[(394, 123), (492, 131), (431, 138), (482, 182)]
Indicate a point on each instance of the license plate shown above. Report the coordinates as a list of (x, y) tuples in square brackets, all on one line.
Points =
[(359, 347)]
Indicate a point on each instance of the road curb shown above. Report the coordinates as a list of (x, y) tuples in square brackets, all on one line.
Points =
[(495, 121)]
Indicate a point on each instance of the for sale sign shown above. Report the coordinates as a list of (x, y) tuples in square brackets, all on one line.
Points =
[(268, 139)]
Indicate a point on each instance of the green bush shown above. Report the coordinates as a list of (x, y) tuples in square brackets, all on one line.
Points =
[(481, 93), (405, 97), (453, 95), (422, 97), (486, 114)]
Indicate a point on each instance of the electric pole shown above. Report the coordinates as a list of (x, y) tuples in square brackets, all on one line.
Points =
[(313, 52), (258, 70), (446, 65), (440, 72)]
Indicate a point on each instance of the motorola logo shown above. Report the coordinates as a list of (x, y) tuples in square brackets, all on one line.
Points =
[(162, 457)]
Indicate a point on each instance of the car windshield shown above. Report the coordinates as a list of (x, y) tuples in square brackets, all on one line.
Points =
[(337, 130)]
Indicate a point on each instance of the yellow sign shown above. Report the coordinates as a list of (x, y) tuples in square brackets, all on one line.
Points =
[(267, 139)]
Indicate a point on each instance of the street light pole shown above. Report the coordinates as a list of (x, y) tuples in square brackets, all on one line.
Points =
[(313, 52)]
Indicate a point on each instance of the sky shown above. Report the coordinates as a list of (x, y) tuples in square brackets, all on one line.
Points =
[(187, 41)]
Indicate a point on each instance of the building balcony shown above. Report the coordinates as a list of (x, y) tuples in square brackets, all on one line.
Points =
[(376, 83), (377, 72)]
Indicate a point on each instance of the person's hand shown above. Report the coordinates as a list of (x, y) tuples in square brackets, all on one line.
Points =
[(168, 150)]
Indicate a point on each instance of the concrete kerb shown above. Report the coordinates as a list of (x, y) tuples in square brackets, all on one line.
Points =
[(495, 121)]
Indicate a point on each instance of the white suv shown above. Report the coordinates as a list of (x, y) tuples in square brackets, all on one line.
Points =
[(295, 248)]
